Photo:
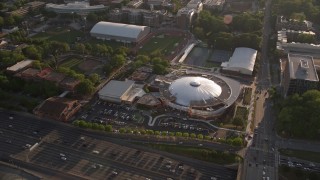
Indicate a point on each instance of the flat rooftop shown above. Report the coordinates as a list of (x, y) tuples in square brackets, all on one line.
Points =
[(302, 67), (116, 88)]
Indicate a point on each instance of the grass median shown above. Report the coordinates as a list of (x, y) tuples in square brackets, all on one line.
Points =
[(200, 153)]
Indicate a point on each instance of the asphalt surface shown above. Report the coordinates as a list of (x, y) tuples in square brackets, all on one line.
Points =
[(261, 159), (91, 155), (299, 163)]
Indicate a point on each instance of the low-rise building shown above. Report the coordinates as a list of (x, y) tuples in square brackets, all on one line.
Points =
[(139, 76), (150, 101), (115, 90), (57, 108), (121, 91), (69, 83), (19, 66), (28, 74), (55, 77)]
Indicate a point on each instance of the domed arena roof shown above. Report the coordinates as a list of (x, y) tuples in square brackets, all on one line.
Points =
[(188, 90)]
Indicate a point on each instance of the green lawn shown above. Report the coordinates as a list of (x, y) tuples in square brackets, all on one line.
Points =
[(242, 112), (200, 153), (163, 43), (247, 96), (306, 155), (62, 35), (71, 63)]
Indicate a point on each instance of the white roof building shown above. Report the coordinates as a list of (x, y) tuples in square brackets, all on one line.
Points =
[(82, 8), (242, 61), (114, 90), (119, 32), (194, 89), (20, 65)]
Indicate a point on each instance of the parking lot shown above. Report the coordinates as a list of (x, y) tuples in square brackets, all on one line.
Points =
[(123, 116), (92, 156), (114, 114)]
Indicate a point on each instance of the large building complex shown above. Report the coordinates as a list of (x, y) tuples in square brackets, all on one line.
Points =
[(241, 61), (199, 96), (81, 8), (299, 75), (120, 32)]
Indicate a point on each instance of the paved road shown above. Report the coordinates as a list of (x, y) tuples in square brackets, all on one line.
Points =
[(299, 163), (115, 159), (261, 160), (297, 144)]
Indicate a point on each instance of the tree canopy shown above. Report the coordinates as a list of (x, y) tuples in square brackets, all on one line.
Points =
[(299, 9), (299, 115)]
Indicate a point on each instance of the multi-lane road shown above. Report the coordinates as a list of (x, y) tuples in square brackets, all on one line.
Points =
[(261, 160), (92, 155)]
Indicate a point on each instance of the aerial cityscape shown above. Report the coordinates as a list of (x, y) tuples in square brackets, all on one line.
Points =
[(160, 89)]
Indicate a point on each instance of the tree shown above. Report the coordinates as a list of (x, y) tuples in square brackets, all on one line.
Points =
[(121, 51), (143, 58), (159, 69), (185, 134), (32, 52), (297, 107), (92, 17), (237, 141), (171, 133), (94, 78), (200, 136), (80, 48), (122, 130), (9, 21), (76, 122), (108, 128), (150, 132), (82, 124), (178, 134), (238, 121), (107, 69), (157, 133), (85, 87), (95, 126), (117, 60), (306, 38), (193, 135)]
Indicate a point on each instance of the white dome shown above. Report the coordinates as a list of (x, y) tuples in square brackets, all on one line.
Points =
[(194, 89)]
